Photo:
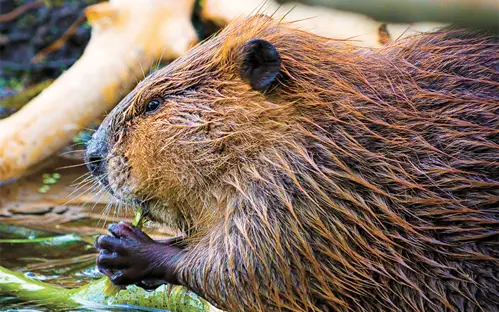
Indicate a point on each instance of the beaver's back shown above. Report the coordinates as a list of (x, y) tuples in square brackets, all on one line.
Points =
[(392, 172), (380, 188), (314, 176), (404, 164)]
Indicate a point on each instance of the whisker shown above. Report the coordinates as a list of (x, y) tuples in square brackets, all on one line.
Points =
[(79, 187), (89, 190), (83, 177), (72, 151), (100, 193), (142, 68), (160, 58), (79, 165), (97, 185), (105, 213)]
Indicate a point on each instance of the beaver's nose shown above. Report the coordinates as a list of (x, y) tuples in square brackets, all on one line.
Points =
[(95, 157), (95, 162)]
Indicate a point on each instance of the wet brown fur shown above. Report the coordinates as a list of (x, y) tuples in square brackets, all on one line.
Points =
[(362, 180)]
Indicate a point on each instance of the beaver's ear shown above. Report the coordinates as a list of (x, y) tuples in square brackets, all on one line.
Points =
[(261, 63)]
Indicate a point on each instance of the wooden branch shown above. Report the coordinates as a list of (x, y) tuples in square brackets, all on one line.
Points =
[(20, 99), (467, 13), (59, 43), (7, 17), (358, 29), (128, 36)]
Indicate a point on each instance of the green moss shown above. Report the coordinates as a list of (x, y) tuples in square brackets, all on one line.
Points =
[(48, 179), (173, 298), (82, 137), (19, 100)]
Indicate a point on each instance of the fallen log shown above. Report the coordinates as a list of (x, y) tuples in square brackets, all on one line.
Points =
[(128, 37), (359, 29), (482, 14)]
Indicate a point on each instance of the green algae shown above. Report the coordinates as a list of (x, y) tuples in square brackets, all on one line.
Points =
[(172, 298)]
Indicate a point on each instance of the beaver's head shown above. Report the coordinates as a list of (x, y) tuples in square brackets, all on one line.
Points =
[(200, 119)]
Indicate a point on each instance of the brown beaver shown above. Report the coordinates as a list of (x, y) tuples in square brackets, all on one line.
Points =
[(308, 175)]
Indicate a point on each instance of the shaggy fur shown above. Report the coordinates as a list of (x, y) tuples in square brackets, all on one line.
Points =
[(362, 180)]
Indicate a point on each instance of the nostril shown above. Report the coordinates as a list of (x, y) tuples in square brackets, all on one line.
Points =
[(94, 162), (95, 159)]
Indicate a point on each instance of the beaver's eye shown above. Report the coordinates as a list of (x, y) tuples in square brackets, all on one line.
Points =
[(152, 106)]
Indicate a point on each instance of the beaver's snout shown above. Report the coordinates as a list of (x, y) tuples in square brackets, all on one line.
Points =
[(108, 165), (96, 155)]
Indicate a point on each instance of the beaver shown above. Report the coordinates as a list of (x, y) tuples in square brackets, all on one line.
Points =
[(309, 175)]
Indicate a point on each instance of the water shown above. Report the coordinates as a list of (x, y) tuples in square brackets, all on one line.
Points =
[(48, 235)]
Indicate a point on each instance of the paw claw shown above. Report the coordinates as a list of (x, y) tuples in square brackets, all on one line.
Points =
[(151, 284), (130, 256), (118, 279), (120, 229), (127, 230), (105, 271), (112, 261), (109, 243), (124, 278)]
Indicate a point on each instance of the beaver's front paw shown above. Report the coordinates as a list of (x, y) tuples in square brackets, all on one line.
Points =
[(130, 256)]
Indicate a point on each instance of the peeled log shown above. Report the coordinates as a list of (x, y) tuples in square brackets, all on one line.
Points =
[(465, 13), (128, 36), (359, 29)]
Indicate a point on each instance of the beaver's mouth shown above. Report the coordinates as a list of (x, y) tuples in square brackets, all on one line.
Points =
[(104, 182), (119, 178), (113, 175), (110, 167), (101, 177), (126, 199)]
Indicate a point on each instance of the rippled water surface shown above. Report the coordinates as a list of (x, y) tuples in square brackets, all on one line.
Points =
[(47, 230)]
